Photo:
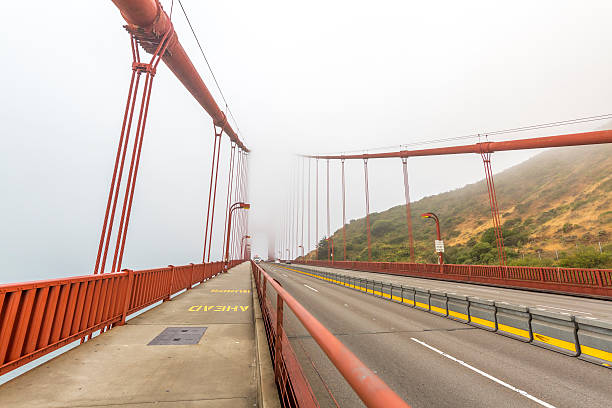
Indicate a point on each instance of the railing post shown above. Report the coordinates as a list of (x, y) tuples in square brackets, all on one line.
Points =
[(167, 298), (128, 296), (598, 278), (191, 276), (279, 336)]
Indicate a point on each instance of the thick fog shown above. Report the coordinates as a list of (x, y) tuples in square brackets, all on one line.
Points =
[(312, 77)]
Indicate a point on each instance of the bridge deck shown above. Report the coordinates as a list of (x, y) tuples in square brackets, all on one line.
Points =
[(120, 368)]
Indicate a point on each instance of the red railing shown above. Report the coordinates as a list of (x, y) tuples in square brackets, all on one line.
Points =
[(575, 281), (294, 390), (39, 317)]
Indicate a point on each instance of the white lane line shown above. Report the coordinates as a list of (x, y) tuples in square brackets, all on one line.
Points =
[(560, 308), (489, 376), (285, 275), (310, 288)]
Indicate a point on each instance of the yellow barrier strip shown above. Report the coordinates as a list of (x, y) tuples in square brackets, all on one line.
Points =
[(458, 315), (483, 322), (438, 309), (554, 342), (593, 352), (422, 305), (513, 330)]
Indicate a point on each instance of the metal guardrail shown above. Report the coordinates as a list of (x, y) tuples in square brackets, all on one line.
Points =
[(293, 387), (575, 281), (39, 317)]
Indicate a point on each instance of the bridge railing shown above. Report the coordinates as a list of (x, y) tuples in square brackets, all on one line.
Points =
[(39, 317), (575, 281), (294, 390)]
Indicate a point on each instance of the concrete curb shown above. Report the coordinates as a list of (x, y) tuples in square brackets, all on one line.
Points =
[(267, 393)]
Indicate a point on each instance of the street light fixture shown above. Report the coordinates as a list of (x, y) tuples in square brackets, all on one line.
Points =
[(233, 207), (302, 246), (439, 242)]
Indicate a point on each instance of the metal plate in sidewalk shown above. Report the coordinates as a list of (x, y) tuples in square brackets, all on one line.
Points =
[(174, 336)]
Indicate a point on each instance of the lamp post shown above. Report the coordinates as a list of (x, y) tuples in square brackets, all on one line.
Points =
[(233, 207), (242, 253), (439, 243), (302, 246)]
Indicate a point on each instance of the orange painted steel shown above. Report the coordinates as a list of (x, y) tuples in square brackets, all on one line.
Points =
[(149, 22), (39, 317), (368, 386), (596, 283), (574, 139)]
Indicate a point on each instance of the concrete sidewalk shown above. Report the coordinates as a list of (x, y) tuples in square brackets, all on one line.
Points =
[(120, 368)]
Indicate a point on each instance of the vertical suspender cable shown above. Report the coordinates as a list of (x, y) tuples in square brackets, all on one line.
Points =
[(303, 199), (486, 158), (214, 173), (408, 214), (367, 203), (308, 220), (329, 238), (343, 209), (230, 179), (317, 206)]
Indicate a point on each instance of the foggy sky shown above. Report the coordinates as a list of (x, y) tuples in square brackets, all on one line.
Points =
[(300, 78)]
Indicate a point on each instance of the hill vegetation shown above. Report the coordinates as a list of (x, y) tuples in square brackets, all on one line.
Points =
[(556, 209)]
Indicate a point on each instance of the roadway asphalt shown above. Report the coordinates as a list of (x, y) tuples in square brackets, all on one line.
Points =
[(431, 361), (578, 306)]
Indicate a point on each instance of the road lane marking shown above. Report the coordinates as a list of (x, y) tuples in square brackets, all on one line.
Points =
[(285, 275), (311, 288), (489, 376)]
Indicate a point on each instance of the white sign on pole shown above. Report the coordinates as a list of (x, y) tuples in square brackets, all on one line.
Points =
[(439, 245)]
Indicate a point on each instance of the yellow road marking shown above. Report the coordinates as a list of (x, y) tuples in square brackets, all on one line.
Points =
[(218, 308)]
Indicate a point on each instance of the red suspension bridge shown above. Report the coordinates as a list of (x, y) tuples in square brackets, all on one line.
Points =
[(315, 355)]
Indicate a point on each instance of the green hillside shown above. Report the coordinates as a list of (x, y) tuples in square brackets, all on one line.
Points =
[(556, 210)]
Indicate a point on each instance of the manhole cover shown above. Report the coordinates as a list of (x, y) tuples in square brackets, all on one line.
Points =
[(178, 336)]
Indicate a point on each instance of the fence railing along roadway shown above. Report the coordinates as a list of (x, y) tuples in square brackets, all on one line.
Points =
[(39, 317), (575, 281), (294, 390)]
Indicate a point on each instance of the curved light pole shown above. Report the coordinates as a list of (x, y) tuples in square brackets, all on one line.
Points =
[(242, 253), (302, 246), (233, 207), (435, 217)]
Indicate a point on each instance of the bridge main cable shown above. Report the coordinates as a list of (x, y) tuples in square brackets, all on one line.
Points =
[(574, 139), (149, 22)]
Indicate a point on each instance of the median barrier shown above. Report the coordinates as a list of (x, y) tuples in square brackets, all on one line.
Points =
[(438, 302), (595, 338), (458, 307), (363, 284), (554, 331), (370, 287), (421, 298), (513, 321), (386, 290), (408, 295), (377, 288), (482, 313), (396, 293)]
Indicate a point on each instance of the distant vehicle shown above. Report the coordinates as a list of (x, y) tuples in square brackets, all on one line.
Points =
[(277, 261), (288, 262), (257, 259)]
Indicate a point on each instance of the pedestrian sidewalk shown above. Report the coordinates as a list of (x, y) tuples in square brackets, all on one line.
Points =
[(127, 366)]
